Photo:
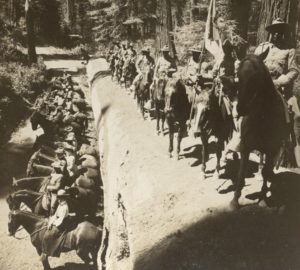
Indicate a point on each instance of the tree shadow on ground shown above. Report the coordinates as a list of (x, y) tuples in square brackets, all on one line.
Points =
[(75, 266), (253, 238)]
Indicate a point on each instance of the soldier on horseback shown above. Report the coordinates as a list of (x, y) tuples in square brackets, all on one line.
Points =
[(164, 69), (144, 63), (280, 61), (131, 53), (56, 226), (56, 183)]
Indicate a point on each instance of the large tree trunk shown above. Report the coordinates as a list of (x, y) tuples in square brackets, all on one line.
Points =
[(32, 58), (272, 9), (238, 12), (165, 26)]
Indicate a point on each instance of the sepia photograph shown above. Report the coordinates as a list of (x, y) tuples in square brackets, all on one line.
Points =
[(150, 134)]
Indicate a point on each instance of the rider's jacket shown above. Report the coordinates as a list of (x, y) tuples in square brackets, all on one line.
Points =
[(55, 182), (131, 55), (144, 63), (281, 65), (193, 69), (61, 213), (163, 66)]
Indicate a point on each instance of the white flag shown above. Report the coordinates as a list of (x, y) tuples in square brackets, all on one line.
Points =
[(212, 38)]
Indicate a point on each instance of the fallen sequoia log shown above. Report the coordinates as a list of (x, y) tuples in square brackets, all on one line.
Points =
[(159, 214)]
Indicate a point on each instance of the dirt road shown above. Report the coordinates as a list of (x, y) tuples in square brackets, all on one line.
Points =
[(171, 217)]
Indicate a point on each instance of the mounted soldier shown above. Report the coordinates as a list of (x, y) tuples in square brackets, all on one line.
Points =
[(280, 61), (164, 69), (54, 236), (56, 183), (144, 64), (131, 52)]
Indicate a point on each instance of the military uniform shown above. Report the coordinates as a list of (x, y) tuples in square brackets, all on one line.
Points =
[(163, 67), (144, 64), (281, 65)]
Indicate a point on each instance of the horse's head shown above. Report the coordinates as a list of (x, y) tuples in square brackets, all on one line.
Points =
[(34, 119), (9, 201), (254, 85), (13, 223)]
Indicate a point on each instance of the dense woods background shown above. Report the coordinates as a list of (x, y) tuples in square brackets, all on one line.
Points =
[(69, 24)]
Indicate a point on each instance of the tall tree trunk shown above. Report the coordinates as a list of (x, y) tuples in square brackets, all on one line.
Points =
[(165, 26), (272, 9), (32, 58), (238, 12)]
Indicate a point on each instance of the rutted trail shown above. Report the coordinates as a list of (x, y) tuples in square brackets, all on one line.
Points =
[(161, 213)]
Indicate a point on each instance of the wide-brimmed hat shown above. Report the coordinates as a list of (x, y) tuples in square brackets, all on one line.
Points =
[(145, 49), (278, 25), (165, 48), (62, 193)]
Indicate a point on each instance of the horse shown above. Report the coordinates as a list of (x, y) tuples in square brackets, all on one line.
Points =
[(263, 125), (158, 96), (85, 238), (129, 72), (36, 169), (39, 119), (142, 90), (38, 158), (212, 119), (177, 108), (38, 202), (38, 183)]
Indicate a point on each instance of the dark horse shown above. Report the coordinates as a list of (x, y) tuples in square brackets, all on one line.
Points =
[(212, 120), (263, 125), (142, 89), (129, 72), (158, 97), (38, 183), (38, 202), (177, 108), (85, 238), (39, 119)]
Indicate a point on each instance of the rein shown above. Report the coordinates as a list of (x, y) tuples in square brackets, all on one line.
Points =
[(33, 233)]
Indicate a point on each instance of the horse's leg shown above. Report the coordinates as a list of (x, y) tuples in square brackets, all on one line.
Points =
[(45, 262), (204, 141), (163, 119), (94, 254), (220, 145), (171, 136), (240, 180), (179, 137), (157, 112), (267, 173), (83, 255)]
